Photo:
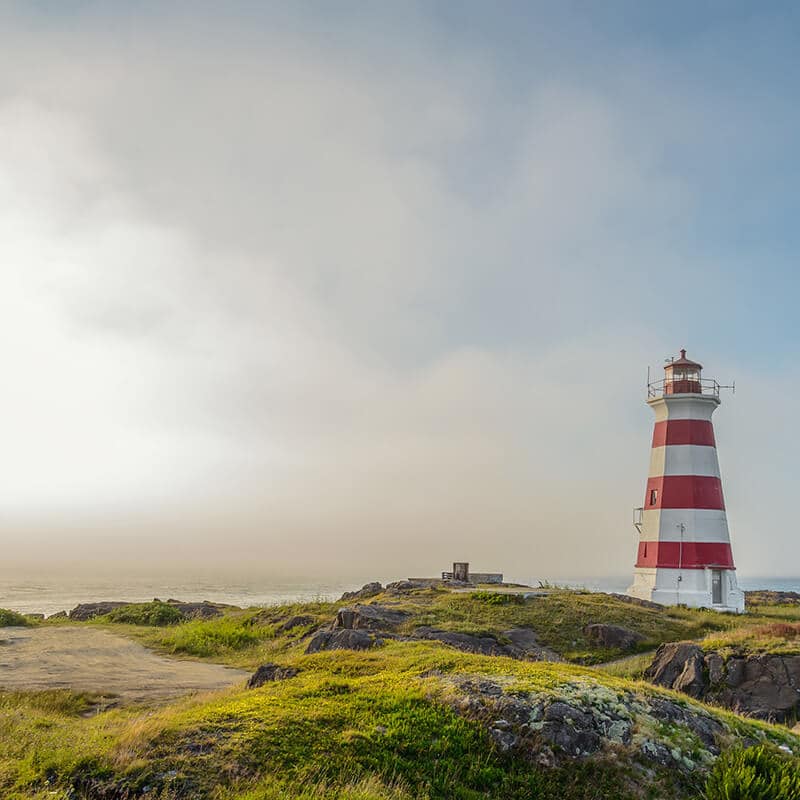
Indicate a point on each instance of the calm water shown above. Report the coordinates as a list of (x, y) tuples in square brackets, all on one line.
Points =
[(48, 594)]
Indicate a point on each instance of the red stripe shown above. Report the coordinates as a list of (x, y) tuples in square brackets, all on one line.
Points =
[(683, 431), (684, 491), (693, 555)]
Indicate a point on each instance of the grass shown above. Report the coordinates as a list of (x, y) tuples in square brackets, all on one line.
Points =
[(350, 725), (374, 725), (754, 773), (775, 638), (155, 613), (247, 638), (560, 617), (10, 619)]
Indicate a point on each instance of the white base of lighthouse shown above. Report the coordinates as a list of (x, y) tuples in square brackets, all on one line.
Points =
[(698, 588)]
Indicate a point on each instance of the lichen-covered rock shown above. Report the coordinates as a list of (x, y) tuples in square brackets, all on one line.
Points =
[(581, 718)]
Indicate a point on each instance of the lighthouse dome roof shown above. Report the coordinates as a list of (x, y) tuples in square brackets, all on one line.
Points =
[(683, 362)]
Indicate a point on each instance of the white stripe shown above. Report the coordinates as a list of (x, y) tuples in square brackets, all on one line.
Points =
[(700, 406), (700, 525), (684, 459)]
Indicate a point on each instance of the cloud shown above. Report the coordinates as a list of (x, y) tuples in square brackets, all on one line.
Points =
[(339, 308)]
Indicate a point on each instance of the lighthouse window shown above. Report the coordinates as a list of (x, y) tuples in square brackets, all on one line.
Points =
[(653, 496)]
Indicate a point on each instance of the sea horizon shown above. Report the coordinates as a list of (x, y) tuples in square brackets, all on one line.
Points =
[(48, 594)]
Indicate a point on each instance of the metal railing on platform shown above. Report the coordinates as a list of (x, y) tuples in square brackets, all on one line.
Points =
[(705, 386)]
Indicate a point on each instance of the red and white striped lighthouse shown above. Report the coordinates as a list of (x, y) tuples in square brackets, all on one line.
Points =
[(684, 547)]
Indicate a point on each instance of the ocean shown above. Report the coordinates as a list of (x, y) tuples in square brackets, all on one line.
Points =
[(49, 593)]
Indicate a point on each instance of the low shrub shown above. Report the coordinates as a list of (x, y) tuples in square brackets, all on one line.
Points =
[(755, 773), (10, 619), (156, 614), (781, 630)]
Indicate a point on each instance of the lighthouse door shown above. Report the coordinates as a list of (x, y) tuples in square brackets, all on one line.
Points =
[(716, 587)]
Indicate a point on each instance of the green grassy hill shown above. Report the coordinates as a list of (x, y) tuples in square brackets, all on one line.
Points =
[(408, 719)]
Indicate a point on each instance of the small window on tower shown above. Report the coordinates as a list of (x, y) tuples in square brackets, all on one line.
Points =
[(653, 496)]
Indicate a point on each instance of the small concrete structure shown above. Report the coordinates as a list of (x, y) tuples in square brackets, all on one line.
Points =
[(462, 574)]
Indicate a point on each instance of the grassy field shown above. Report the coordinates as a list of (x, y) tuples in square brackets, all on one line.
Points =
[(350, 725), (246, 638), (373, 725)]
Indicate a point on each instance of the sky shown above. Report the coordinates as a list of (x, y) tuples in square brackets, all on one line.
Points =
[(352, 288)]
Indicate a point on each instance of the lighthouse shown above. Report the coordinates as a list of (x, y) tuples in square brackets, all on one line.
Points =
[(684, 554)]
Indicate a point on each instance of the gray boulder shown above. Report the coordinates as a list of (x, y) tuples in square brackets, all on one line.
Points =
[(297, 621), (524, 644), (614, 636), (367, 590), (370, 618), (343, 639), (400, 587), (679, 665), (485, 645), (636, 601), (203, 610), (86, 611), (521, 643), (270, 672), (764, 686)]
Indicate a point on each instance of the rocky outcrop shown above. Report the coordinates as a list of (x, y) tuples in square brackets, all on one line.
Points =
[(202, 610), (468, 643), (518, 643), (679, 665), (763, 686), (366, 591), (579, 719), (614, 636), (765, 597), (86, 611), (636, 601), (297, 621), (270, 672), (369, 618), (343, 639), (188, 610), (401, 587)]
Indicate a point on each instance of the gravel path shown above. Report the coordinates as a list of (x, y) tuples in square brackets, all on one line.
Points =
[(95, 660)]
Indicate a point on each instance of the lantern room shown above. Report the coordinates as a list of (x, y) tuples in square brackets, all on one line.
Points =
[(682, 376)]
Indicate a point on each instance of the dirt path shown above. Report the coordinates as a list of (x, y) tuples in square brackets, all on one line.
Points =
[(94, 660)]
